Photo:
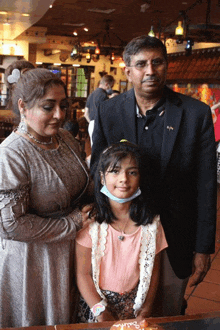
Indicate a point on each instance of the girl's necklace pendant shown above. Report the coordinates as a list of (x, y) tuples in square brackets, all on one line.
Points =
[(121, 238)]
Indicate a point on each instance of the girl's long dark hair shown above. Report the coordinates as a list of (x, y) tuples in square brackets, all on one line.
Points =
[(139, 211)]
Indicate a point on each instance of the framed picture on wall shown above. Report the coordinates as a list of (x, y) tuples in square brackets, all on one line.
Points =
[(123, 86)]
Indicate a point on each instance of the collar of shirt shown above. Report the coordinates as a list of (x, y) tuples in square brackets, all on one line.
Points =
[(159, 107)]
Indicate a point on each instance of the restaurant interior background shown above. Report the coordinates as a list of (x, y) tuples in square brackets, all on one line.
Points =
[(81, 40)]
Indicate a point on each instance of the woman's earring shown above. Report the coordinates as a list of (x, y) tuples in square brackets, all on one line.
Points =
[(22, 127)]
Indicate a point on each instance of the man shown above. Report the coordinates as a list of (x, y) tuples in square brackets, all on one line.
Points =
[(176, 137), (96, 98)]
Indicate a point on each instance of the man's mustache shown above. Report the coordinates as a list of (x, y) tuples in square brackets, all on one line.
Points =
[(151, 78)]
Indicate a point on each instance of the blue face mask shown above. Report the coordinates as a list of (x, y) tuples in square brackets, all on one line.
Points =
[(107, 193)]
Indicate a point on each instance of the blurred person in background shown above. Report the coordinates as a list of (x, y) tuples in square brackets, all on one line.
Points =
[(96, 98)]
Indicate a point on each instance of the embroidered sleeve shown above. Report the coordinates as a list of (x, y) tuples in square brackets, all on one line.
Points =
[(16, 220), (17, 224)]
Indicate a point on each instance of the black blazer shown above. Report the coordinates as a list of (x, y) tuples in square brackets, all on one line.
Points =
[(186, 195)]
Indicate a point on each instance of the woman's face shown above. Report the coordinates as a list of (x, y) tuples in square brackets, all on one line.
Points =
[(48, 114), (123, 180)]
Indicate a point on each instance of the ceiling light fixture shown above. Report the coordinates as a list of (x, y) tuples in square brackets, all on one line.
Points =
[(86, 29), (101, 11), (88, 57), (50, 6), (75, 33), (74, 24), (179, 29), (151, 33), (74, 51), (112, 57), (97, 50), (3, 13)]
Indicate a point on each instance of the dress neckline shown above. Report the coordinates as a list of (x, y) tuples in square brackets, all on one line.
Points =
[(116, 232)]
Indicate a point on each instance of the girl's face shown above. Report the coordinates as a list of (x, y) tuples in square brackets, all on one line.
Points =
[(123, 180), (47, 115)]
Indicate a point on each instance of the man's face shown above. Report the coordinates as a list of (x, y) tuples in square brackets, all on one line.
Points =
[(147, 72)]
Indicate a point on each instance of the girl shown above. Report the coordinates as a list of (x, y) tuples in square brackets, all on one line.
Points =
[(117, 255)]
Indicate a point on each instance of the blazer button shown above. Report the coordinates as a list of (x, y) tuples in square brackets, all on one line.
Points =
[(146, 128)]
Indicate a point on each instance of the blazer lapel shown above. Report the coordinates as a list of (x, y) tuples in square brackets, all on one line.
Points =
[(173, 115), (129, 117)]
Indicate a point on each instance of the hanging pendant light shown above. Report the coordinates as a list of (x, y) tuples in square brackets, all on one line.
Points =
[(179, 29), (97, 50), (151, 33), (88, 57), (112, 57)]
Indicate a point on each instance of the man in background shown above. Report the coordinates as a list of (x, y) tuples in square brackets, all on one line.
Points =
[(96, 98)]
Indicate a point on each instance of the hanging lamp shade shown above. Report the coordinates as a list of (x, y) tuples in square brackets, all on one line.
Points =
[(97, 50), (151, 33), (179, 29)]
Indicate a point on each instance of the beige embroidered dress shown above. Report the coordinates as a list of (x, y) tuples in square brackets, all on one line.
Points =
[(38, 221)]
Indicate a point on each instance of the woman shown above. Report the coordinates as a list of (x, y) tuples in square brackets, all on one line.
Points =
[(42, 182)]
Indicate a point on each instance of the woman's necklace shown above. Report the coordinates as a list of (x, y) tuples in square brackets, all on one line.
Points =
[(22, 128), (40, 142)]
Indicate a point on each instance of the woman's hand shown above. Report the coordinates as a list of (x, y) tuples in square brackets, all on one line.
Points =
[(85, 211)]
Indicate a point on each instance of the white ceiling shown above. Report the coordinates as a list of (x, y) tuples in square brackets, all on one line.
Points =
[(18, 23)]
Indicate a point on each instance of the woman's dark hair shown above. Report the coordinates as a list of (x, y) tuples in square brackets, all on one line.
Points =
[(21, 65), (32, 86), (138, 44), (109, 159)]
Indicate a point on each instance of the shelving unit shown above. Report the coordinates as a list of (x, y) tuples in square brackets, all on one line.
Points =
[(3, 90), (76, 81)]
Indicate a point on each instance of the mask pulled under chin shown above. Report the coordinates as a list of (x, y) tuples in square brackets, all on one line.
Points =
[(107, 193)]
